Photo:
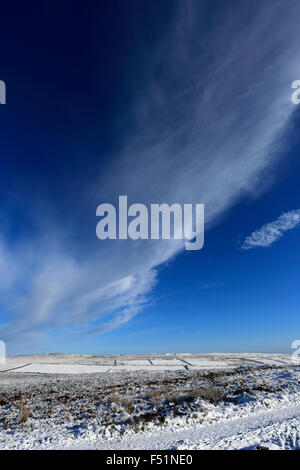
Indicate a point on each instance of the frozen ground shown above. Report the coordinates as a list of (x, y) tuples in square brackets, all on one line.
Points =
[(182, 401)]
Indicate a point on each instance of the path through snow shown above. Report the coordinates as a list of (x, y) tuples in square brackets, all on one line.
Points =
[(276, 429)]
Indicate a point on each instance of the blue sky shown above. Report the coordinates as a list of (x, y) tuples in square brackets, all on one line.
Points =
[(174, 101)]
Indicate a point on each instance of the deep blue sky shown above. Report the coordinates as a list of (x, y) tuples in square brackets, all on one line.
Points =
[(174, 101)]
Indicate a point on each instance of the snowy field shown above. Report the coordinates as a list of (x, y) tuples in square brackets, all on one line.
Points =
[(85, 364), (172, 401)]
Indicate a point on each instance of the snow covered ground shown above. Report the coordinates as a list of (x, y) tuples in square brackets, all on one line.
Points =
[(85, 364), (217, 401), (277, 428)]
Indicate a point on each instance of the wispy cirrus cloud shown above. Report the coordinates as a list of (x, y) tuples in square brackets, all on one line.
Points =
[(272, 231), (207, 111)]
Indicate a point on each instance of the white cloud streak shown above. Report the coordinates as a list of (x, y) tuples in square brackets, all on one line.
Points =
[(208, 117), (273, 231)]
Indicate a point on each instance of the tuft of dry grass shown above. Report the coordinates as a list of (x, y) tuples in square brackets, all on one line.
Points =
[(211, 394), (115, 398), (25, 415), (129, 408)]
